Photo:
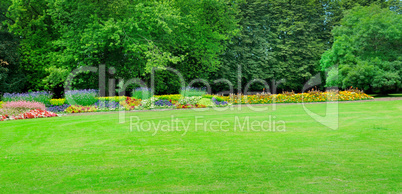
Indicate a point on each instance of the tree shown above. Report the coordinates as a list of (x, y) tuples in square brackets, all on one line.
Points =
[(367, 50), (133, 36), (12, 78), (281, 39)]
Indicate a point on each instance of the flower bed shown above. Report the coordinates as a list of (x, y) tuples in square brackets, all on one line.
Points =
[(130, 103), (58, 109), (172, 97), (42, 97), (29, 115), (112, 98), (24, 105), (87, 101), (290, 97), (58, 102), (80, 109)]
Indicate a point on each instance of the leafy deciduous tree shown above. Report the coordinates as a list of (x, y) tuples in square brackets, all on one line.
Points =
[(367, 50)]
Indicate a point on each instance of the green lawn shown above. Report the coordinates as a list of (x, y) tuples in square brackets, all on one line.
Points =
[(94, 153)]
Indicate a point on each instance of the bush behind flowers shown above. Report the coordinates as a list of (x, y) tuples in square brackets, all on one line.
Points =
[(192, 91), (112, 98), (142, 93), (86, 97)]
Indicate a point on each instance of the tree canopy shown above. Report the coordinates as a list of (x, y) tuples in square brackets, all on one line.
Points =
[(43, 40), (367, 50)]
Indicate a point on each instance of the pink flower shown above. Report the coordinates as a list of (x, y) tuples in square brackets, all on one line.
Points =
[(24, 105)]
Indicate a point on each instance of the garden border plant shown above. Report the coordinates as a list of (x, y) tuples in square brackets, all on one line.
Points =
[(88, 101)]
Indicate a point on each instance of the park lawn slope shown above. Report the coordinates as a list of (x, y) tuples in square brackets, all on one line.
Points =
[(96, 153)]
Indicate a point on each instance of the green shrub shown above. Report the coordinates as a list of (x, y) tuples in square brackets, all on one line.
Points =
[(172, 97), (57, 102), (82, 97), (190, 100), (191, 91), (142, 93), (206, 102)]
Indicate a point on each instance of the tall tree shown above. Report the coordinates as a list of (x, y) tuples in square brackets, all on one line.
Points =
[(281, 39), (12, 78), (367, 50), (131, 35)]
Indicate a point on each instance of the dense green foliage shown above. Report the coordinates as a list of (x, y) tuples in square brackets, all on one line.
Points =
[(367, 50), (132, 36), (281, 39), (141, 93), (43, 40), (12, 77)]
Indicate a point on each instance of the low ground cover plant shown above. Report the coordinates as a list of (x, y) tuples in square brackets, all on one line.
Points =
[(190, 100), (58, 102), (58, 108), (207, 102), (81, 109)]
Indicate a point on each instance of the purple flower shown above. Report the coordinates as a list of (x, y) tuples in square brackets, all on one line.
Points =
[(58, 109), (219, 102), (40, 96), (107, 104), (163, 103)]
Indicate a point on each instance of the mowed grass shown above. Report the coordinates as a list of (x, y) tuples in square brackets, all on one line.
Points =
[(95, 153)]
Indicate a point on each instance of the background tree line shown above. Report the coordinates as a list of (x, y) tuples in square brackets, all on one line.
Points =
[(41, 41)]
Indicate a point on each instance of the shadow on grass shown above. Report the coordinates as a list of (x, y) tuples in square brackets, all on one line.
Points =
[(386, 95)]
